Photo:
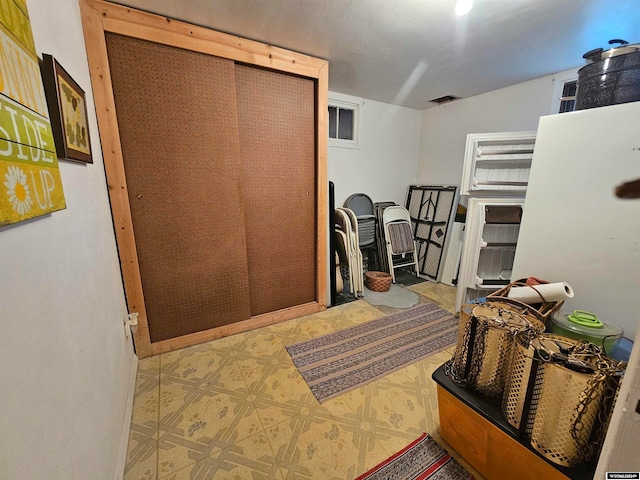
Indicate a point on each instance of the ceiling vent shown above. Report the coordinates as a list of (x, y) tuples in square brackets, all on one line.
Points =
[(445, 99)]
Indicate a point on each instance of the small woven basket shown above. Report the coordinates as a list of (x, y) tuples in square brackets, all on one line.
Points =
[(378, 281)]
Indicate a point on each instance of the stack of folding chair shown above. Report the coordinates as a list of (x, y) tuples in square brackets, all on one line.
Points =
[(381, 242), (347, 246), (362, 206), (401, 245)]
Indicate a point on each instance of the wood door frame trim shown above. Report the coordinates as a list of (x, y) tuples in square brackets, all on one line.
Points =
[(99, 17)]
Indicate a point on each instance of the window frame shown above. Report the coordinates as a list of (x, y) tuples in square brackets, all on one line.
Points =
[(355, 108), (559, 81)]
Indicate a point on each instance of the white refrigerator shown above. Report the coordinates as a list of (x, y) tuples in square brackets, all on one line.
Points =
[(495, 179), (573, 227)]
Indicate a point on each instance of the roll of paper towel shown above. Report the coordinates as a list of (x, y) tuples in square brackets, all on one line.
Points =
[(551, 292)]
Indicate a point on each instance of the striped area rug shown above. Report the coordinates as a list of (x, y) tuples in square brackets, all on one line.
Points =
[(421, 460), (347, 359)]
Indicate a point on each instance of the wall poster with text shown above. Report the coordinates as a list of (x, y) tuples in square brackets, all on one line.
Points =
[(30, 183)]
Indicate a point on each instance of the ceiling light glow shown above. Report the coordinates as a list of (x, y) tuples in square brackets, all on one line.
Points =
[(463, 7)]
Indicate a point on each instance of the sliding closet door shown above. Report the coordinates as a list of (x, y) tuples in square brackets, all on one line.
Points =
[(215, 151), (177, 119), (276, 118)]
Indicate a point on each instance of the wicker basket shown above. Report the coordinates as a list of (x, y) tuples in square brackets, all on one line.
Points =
[(570, 408), (520, 371), (483, 352), (378, 281)]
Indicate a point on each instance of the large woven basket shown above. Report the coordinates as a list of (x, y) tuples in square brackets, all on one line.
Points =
[(485, 344), (378, 281), (565, 410), (520, 371)]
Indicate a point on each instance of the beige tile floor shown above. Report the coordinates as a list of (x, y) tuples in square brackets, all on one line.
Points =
[(236, 408)]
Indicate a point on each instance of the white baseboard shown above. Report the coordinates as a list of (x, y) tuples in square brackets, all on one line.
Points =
[(126, 423)]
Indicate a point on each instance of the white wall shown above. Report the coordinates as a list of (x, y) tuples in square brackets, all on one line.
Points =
[(65, 364), (444, 128), (385, 163)]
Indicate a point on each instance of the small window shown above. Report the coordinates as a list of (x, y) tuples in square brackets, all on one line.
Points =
[(343, 124), (563, 98), (568, 98)]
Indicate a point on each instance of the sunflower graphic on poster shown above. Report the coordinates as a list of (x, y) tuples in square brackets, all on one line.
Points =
[(30, 183)]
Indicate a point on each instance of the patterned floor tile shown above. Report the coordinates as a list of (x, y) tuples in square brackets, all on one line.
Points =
[(142, 450), (280, 395), (255, 342), (391, 407), (318, 445), (236, 408), (441, 294), (336, 318), (143, 469), (199, 363), (147, 382), (194, 424), (420, 372), (251, 458), (260, 354), (197, 367)]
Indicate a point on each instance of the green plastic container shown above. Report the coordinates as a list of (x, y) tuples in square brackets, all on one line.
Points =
[(582, 325)]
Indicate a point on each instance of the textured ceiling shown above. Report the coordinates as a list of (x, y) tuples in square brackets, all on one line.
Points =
[(408, 52)]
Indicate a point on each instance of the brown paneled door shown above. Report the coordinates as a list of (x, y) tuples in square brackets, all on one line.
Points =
[(219, 161), (276, 115), (214, 149), (178, 127)]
